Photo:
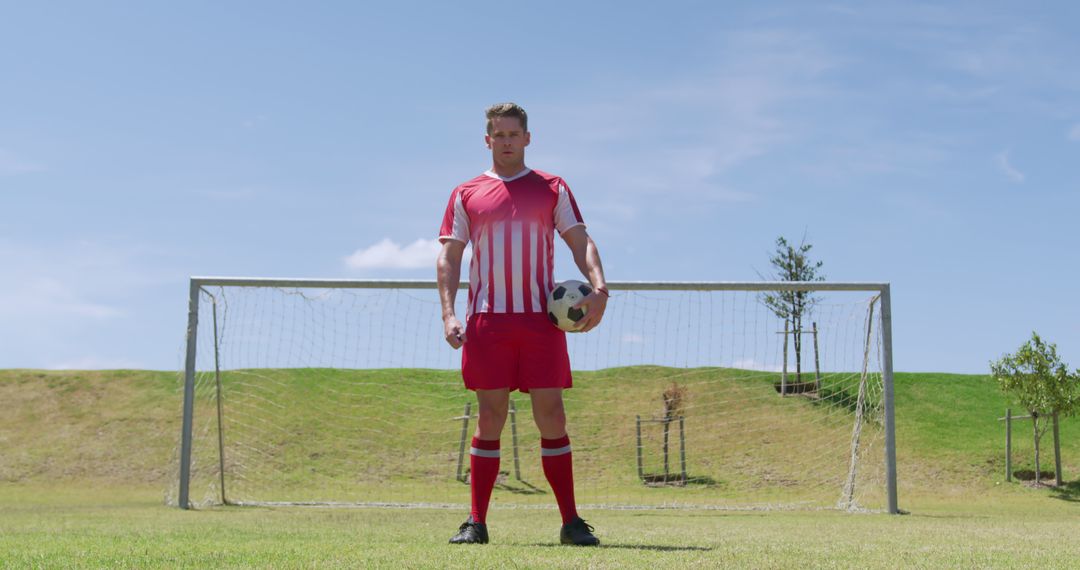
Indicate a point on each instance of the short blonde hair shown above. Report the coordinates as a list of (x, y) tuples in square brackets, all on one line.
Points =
[(507, 110)]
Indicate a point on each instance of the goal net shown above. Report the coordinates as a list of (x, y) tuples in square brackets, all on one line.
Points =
[(688, 395)]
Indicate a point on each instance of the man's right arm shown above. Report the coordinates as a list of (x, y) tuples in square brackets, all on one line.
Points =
[(448, 269)]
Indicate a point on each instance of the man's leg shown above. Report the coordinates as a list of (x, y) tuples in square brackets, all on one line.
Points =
[(558, 463), (483, 463), (547, 405), (484, 456)]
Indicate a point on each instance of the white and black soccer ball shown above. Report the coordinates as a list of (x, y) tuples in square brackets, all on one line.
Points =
[(561, 301)]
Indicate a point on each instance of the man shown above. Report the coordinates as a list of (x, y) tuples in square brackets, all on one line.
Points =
[(510, 214)]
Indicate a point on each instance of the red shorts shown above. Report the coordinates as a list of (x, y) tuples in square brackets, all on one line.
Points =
[(518, 351)]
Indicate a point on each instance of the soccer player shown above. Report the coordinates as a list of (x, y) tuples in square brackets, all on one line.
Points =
[(510, 214)]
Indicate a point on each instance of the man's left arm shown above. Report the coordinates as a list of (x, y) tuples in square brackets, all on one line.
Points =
[(587, 258)]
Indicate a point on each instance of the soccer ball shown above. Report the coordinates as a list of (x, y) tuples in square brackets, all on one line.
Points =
[(560, 303)]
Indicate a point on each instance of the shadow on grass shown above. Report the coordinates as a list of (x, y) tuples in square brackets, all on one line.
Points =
[(676, 480), (652, 547), (842, 398), (505, 483), (525, 488), (658, 547), (1070, 491)]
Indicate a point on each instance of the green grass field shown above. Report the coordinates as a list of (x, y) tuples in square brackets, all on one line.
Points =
[(115, 528), (84, 461)]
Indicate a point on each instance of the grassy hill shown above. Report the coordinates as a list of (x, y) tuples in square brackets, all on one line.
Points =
[(948, 432), (119, 428), (102, 427)]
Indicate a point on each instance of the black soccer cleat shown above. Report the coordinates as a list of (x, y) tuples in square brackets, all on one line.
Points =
[(579, 533), (471, 532)]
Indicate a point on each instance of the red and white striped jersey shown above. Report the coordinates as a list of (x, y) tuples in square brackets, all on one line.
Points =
[(511, 224)]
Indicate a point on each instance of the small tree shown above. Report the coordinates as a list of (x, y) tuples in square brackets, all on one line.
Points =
[(1037, 378), (792, 263)]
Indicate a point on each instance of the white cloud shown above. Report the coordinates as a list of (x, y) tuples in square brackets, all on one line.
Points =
[(12, 164), (63, 301), (387, 254), (751, 364), (1006, 166), (254, 122), (1074, 133), (48, 296), (961, 95), (59, 283), (35, 297), (633, 338), (745, 107)]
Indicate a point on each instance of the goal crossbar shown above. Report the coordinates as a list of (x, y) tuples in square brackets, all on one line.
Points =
[(617, 285), (882, 289)]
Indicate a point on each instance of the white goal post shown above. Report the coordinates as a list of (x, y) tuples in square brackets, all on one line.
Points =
[(715, 338)]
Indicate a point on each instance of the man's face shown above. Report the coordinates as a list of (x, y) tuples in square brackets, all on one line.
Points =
[(507, 140)]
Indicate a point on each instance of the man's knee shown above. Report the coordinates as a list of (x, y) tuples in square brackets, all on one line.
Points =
[(492, 408), (491, 420), (553, 416)]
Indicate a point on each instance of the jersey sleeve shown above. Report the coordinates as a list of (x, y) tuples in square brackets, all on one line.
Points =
[(566, 212), (455, 224)]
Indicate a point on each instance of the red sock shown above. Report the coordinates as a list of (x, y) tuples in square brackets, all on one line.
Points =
[(484, 469), (559, 470)]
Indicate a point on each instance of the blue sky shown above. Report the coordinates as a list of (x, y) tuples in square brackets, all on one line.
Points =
[(933, 146)]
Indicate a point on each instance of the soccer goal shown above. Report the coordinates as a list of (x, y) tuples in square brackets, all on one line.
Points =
[(688, 395)]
